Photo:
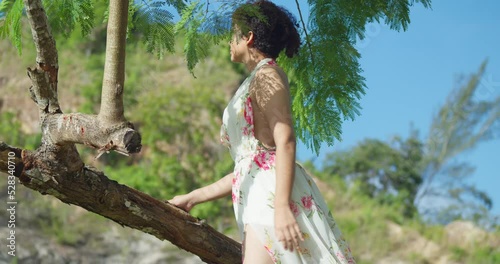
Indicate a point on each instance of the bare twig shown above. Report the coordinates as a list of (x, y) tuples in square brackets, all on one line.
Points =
[(308, 41)]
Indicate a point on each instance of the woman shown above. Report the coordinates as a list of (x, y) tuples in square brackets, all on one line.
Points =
[(280, 212)]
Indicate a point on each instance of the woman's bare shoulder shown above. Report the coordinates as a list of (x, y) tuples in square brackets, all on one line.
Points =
[(270, 78)]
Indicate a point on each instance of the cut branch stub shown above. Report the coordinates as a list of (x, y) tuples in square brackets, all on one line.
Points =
[(86, 129)]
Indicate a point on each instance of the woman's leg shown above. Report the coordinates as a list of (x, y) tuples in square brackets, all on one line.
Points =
[(254, 251)]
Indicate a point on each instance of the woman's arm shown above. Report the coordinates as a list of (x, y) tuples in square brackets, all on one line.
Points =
[(272, 96), (210, 192)]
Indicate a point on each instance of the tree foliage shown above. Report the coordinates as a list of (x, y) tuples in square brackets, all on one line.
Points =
[(10, 21), (328, 80), (151, 20), (196, 44), (66, 15), (390, 173), (463, 122)]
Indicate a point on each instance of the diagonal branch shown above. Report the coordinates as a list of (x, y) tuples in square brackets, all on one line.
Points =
[(92, 190)]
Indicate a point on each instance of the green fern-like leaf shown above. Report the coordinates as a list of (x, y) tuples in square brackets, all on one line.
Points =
[(156, 25), (196, 42), (327, 75), (217, 25), (10, 24), (65, 15), (85, 15), (5, 7), (179, 5), (195, 47), (203, 25), (186, 16)]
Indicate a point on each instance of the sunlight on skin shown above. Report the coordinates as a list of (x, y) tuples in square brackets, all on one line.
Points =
[(270, 98)]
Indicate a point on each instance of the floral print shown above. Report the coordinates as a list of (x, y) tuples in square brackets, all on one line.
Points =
[(269, 246), (247, 127), (294, 208), (264, 160), (307, 202), (224, 137), (236, 194), (248, 112), (254, 185)]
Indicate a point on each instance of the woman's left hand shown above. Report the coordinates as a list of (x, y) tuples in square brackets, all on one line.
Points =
[(286, 228)]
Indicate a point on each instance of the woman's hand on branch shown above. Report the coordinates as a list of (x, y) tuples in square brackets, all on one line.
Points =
[(185, 202), (210, 192)]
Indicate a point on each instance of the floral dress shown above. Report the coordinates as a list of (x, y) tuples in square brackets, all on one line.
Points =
[(254, 185)]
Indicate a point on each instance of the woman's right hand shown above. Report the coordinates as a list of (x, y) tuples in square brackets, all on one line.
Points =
[(185, 201), (211, 192)]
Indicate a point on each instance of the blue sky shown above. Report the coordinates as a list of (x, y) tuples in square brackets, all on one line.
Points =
[(409, 75)]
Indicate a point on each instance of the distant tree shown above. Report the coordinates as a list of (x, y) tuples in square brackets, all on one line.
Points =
[(388, 172), (461, 124), (427, 175), (326, 91)]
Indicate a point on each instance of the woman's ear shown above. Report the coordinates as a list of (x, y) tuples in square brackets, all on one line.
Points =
[(250, 38)]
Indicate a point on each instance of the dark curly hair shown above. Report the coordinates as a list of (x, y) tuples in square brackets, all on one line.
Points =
[(274, 28)]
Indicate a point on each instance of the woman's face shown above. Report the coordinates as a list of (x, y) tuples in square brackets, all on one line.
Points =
[(238, 46)]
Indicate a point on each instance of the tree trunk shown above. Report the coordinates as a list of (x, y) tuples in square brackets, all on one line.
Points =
[(56, 168)]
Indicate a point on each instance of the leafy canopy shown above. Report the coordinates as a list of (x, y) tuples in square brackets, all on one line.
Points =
[(326, 75), (387, 172)]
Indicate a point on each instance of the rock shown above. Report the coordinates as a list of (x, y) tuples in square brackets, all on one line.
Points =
[(118, 245), (464, 234)]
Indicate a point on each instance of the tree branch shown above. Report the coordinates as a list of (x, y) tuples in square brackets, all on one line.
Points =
[(308, 41), (86, 129), (92, 190), (44, 76)]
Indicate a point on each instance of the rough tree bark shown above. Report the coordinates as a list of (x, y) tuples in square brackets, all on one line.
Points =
[(56, 168), (114, 67), (92, 190)]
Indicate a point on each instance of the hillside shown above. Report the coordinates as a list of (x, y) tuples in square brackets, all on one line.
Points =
[(178, 116)]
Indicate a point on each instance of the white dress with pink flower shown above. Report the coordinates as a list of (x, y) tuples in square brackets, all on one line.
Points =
[(254, 185)]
